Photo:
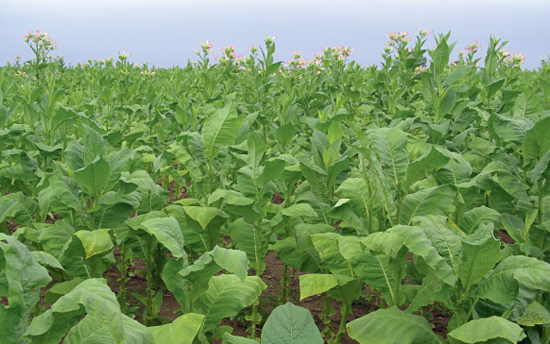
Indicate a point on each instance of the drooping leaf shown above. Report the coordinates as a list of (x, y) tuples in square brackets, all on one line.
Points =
[(221, 128), (392, 326), (290, 324), (168, 232), (437, 200), (182, 330), (537, 140), (312, 284), (389, 145), (486, 329), (226, 296)]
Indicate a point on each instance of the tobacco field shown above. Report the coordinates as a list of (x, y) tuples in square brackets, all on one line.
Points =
[(414, 188)]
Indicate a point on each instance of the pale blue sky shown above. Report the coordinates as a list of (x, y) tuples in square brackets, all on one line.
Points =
[(164, 32)]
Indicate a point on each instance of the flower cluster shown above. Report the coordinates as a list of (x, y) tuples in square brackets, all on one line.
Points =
[(515, 60), (420, 69), (469, 51), (269, 40), (123, 56), (422, 33), (148, 72), (502, 53), (398, 37), (206, 48), (228, 54), (40, 43), (20, 74), (340, 53)]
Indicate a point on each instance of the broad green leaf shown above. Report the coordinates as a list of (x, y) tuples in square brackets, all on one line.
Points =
[(447, 242), (527, 105), (231, 339), (221, 128), (535, 314), (457, 73), (509, 129), (414, 238), (46, 259), (537, 140), (484, 330), (245, 238), (168, 232), (19, 207), (187, 160), (440, 57), (182, 330), (94, 145), (312, 284), (21, 278), (209, 264), (389, 145), (203, 215), (392, 326), (95, 242), (437, 200), (226, 296), (327, 246), (473, 218), (513, 273), (541, 168), (429, 161), (103, 323), (290, 324), (448, 102), (480, 254)]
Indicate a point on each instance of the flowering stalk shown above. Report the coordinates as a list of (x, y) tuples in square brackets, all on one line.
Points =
[(41, 44)]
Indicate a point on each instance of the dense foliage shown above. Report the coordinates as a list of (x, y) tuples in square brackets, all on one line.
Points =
[(396, 177)]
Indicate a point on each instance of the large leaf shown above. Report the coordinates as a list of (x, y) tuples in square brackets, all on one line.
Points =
[(414, 238), (392, 326), (209, 264), (437, 200), (537, 140), (168, 232), (513, 273), (183, 330), (429, 161), (290, 324), (20, 279), (104, 322), (488, 329), (221, 128), (447, 242), (226, 296), (480, 253), (313, 284), (479, 215), (389, 145)]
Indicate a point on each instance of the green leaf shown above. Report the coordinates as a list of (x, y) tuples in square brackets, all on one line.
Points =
[(493, 87), (457, 73), (440, 56), (244, 236), (537, 140), (482, 330), (541, 168), (94, 145), (221, 128), (96, 242), (226, 296), (103, 323), (285, 133), (479, 215), (182, 330), (94, 177), (447, 242), (535, 314), (389, 145), (437, 200), (513, 273), (231, 339), (448, 102), (312, 284), (168, 232), (432, 160), (209, 264), (480, 254), (20, 279), (203, 215), (527, 105), (290, 324), (327, 246), (392, 326)]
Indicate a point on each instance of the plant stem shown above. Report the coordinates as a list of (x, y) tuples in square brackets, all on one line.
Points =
[(149, 304)]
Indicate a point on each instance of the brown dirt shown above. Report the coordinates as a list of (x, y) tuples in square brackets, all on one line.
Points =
[(505, 237)]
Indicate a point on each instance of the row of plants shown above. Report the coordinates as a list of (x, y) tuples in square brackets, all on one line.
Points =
[(397, 177)]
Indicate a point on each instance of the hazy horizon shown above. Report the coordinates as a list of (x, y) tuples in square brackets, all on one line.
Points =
[(164, 33)]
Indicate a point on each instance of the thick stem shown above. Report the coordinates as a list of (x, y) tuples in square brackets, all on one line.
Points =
[(149, 305), (284, 282), (345, 310), (541, 203)]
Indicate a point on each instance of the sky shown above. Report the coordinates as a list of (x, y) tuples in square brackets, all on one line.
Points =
[(163, 33)]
